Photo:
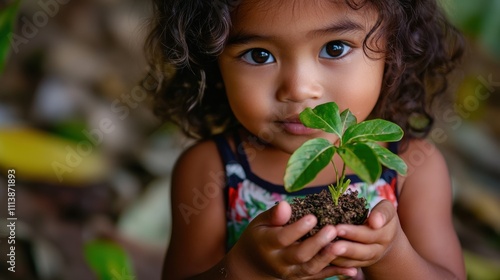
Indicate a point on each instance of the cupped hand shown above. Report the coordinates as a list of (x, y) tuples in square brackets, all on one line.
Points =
[(365, 245), (269, 248)]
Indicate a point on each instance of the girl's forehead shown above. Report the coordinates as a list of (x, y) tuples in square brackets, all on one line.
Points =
[(275, 13), (264, 6)]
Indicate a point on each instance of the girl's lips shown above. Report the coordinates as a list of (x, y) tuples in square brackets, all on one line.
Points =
[(296, 128)]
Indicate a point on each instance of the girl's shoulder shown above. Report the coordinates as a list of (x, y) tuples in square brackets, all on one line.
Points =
[(202, 158), (420, 153), (425, 163), (201, 154)]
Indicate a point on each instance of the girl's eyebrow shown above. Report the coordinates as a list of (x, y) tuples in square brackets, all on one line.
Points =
[(340, 27), (241, 38)]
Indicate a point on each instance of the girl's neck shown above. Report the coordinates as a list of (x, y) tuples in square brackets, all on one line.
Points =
[(269, 163)]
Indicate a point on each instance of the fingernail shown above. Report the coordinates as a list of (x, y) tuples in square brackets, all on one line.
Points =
[(352, 272), (309, 220), (341, 250), (330, 233)]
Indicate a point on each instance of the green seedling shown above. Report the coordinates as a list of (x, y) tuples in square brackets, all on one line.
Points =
[(357, 147)]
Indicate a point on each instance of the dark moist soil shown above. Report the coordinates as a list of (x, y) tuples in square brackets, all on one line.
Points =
[(350, 210)]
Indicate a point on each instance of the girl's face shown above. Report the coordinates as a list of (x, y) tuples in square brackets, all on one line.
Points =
[(284, 56)]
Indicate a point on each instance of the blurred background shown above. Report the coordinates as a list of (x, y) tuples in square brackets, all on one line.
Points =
[(92, 163)]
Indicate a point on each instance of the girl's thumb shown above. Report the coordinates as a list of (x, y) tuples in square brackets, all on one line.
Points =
[(381, 214), (278, 215)]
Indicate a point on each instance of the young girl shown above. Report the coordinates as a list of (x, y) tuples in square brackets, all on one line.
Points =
[(238, 73)]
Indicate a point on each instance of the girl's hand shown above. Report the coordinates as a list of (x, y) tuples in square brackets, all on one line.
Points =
[(365, 245), (270, 249)]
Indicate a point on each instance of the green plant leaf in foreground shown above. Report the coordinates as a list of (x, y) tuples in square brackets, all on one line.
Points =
[(347, 119), (373, 130), (388, 158), (108, 260), (325, 117), (361, 159), (358, 149), (306, 162)]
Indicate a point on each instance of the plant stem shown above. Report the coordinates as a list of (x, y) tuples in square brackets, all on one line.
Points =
[(343, 172), (336, 172), (341, 185)]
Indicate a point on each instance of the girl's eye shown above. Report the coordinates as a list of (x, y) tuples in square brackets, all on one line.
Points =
[(334, 49), (258, 56)]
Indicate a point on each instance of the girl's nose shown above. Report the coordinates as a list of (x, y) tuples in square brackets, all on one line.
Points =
[(299, 82)]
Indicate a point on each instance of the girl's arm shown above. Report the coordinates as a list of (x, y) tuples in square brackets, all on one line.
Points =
[(198, 216), (417, 242), (425, 214)]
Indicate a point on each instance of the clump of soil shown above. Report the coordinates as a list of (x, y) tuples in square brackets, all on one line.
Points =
[(350, 210)]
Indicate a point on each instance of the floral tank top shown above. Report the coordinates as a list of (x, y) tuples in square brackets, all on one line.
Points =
[(247, 195)]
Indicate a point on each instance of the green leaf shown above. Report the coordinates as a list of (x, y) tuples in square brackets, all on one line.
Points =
[(306, 162), (7, 17), (108, 260), (373, 130), (388, 158), (361, 159), (347, 119), (325, 117)]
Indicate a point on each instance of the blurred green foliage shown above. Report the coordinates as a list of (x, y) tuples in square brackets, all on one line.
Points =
[(7, 16), (108, 260), (479, 20), (481, 268)]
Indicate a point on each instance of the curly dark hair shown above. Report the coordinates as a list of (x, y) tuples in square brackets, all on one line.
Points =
[(187, 36)]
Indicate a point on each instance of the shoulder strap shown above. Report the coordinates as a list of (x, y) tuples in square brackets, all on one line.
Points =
[(224, 149), (393, 147), (235, 172)]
